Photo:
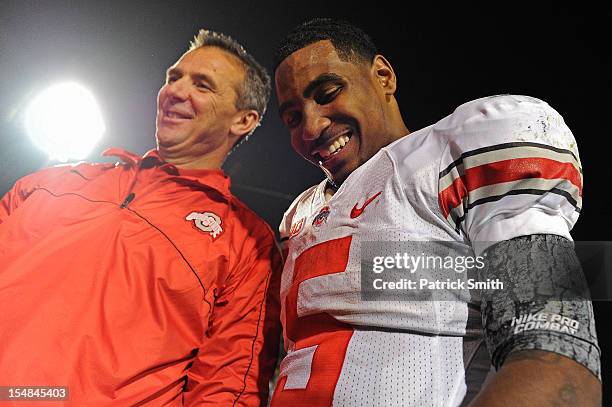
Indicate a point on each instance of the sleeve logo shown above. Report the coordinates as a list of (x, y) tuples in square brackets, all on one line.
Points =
[(296, 228)]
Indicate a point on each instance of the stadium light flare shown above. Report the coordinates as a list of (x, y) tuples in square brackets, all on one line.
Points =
[(65, 121)]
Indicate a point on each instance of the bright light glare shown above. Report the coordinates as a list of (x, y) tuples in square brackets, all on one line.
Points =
[(64, 120)]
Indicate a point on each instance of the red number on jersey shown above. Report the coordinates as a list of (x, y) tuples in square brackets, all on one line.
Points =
[(325, 336)]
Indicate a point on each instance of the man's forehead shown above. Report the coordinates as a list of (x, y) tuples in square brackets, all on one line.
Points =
[(308, 62), (209, 58)]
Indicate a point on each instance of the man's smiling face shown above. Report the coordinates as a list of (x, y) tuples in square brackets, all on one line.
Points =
[(334, 109), (197, 105)]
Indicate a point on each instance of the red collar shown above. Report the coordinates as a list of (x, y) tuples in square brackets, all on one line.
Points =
[(212, 178)]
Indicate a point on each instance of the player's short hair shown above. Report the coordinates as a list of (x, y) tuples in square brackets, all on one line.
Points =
[(351, 42), (255, 90)]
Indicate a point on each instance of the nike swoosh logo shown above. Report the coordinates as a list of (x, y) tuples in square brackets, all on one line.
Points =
[(358, 211)]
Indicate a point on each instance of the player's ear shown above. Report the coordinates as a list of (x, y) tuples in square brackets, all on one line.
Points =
[(244, 122), (384, 74)]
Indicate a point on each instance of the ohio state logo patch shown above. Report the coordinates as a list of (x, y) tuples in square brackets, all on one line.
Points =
[(206, 222), (296, 228), (321, 218)]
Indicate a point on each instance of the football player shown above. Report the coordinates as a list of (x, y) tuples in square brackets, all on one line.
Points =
[(500, 176)]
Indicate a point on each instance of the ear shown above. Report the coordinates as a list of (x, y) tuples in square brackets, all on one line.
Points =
[(244, 123), (384, 74)]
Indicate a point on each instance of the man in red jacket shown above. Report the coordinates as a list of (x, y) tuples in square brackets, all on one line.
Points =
[(146, 282)]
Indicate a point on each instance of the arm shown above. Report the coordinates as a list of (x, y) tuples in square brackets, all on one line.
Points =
[(540, 378), (10, 201), (238, 354), (23, 188), (542, 363), (511, 185)]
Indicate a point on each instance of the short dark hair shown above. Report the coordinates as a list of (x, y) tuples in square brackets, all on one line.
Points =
[(255, 91), (351, 42)]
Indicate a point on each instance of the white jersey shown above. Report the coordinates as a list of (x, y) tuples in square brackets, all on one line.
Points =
[(497, 168)]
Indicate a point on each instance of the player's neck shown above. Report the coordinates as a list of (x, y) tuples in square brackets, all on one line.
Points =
[(330, 190)]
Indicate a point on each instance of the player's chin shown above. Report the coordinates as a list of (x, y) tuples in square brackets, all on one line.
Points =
[(341, 175), (340, 171), (339, 166)]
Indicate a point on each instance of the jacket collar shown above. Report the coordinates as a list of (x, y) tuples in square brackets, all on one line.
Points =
[(211, 178)]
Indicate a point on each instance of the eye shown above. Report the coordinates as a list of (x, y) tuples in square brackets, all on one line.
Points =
[(172, 78), (292, 119), (325, 96), (202, 85)]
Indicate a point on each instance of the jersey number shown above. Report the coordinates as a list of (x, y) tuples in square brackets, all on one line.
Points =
[(314, 366)]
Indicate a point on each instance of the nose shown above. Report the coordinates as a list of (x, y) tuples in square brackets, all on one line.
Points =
[(314, 124), (177, 90)]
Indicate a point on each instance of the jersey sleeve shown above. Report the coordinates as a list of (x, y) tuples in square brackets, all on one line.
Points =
[(293, 219), (239, 352), (284, 229), (510, 168)]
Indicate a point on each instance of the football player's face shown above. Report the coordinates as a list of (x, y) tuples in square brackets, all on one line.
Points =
[(334, 109)]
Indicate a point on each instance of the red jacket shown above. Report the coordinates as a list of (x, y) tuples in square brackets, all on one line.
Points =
[(137, 283)]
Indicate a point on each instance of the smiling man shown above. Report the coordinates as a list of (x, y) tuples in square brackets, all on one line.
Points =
[(341, 142), (500, 178), (147, 282), (198, 121)]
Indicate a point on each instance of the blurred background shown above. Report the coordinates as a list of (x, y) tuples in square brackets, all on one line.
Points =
[(443, 56)]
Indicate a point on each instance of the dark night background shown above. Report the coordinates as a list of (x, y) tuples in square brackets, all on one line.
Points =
[(443, 57)]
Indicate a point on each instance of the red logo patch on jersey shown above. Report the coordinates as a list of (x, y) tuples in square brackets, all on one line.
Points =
[(355, 212), (321, 218), (296, 228)]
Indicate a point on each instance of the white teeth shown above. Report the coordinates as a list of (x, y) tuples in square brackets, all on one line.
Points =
[(335, 147), (174, 115), (332, 149)]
